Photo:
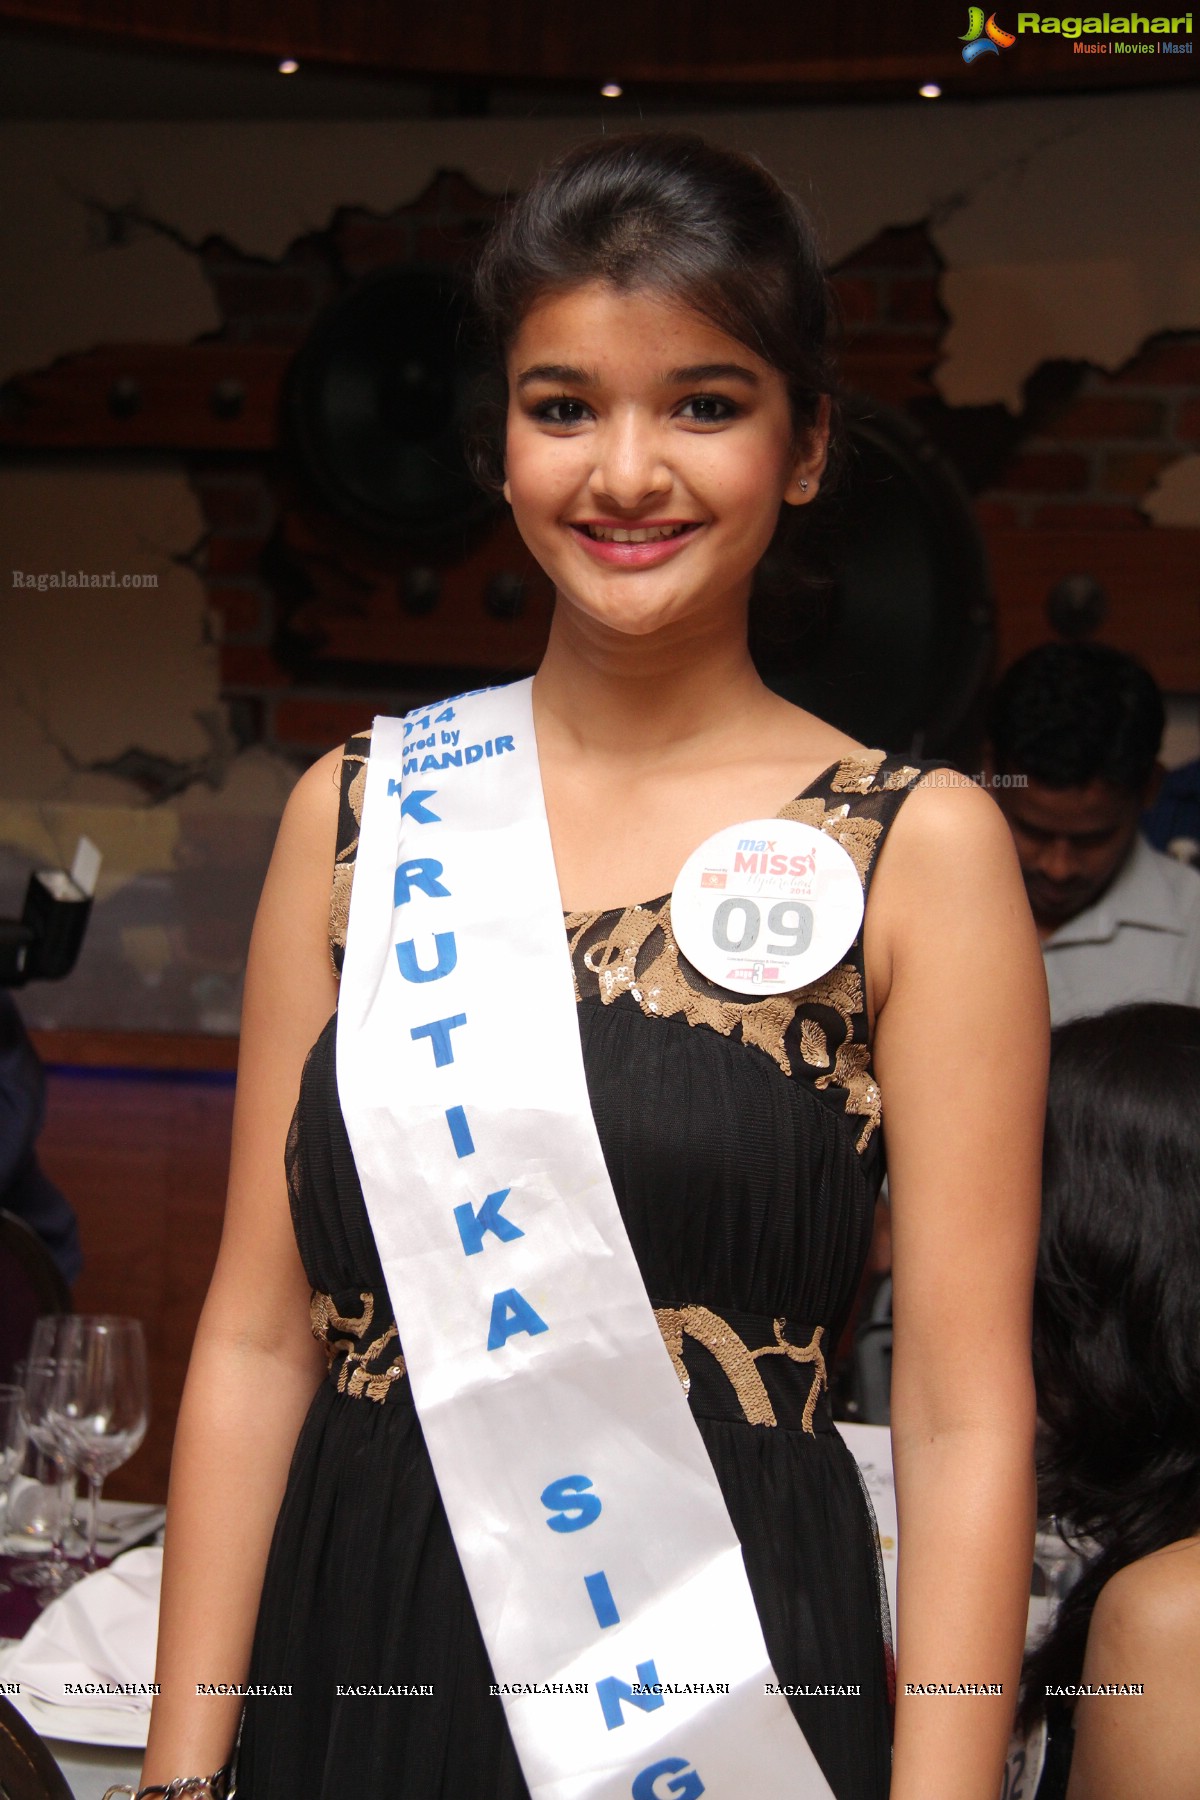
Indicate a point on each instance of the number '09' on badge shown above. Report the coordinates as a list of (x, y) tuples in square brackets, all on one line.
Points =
[(766, 906)]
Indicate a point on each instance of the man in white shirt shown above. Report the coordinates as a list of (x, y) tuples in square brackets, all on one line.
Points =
[(1075, 734)]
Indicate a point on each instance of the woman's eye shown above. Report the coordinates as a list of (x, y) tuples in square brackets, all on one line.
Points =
[(560, 411), (708, 409)]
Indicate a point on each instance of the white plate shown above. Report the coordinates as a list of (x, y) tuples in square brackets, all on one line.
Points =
[(121, 1727)]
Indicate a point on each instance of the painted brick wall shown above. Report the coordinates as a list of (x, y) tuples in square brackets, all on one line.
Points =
[(1060, 489)]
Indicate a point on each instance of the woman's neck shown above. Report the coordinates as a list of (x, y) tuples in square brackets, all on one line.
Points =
[(680, 693)]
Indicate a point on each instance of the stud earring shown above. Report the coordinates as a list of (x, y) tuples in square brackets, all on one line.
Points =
[(803, 485)]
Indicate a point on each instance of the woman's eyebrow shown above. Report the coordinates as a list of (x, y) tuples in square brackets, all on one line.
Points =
[(560, 372), (713, 372), (567, 375)]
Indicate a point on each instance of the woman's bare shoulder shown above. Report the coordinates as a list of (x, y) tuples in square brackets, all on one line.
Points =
[(312, 806), (293, 911), (1153, 1604), (950, 837)]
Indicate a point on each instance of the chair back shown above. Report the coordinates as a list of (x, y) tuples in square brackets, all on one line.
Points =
[(27, 1769), (31, 1283)]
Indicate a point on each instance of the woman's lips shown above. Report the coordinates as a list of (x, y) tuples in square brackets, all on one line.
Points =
[(644, 555)]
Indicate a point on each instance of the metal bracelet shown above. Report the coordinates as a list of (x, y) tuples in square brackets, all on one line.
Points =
[(184, 1787)]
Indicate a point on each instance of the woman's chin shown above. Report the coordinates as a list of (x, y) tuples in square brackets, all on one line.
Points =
[(629, 616)]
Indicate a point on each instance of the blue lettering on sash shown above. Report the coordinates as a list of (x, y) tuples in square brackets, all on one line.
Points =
[(413, 807), (460, 1131), (393, 786), (472, 1225), (421, 873), (600, 1595), (447, 958), (452, 759), (612, 1693), (573, 1506), (688, 1787), (408, 766), (512, 1314), (473, 753), (438, 1032), (430, 762)]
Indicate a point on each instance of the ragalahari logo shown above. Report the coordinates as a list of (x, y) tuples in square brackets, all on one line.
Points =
[(980, 39)]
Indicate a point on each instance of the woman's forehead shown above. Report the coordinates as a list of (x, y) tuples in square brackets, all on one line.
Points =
[(597, 329)]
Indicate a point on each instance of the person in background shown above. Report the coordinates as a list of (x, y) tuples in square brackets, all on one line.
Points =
[(1117, 1366), (24, 1188), (1075, 731)]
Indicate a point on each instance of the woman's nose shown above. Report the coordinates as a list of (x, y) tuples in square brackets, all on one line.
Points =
[(630, 467)]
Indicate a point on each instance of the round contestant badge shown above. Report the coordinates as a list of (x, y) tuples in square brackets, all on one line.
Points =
[(766, 906)]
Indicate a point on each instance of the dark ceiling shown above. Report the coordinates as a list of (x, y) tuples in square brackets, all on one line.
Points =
[(396, 58)]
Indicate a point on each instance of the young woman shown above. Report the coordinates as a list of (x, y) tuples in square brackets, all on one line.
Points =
[(660, 316), (1117, 1360)]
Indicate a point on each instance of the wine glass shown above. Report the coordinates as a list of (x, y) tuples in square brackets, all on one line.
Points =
[(43, 1375), (14, 1435), (100, 1402), (44, 1341)]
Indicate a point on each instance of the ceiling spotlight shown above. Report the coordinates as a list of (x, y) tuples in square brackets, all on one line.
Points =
[(288, 66), (931, 91), (612, 90)]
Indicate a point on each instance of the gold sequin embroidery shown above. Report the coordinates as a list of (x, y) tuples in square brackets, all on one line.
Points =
[(343, 868), (662, 989), (860, 775), (901, 778), (841, 989), (858, 837), (355, 1377), (852, 1071), (856, 774), (814, 1045), (738, 1361)]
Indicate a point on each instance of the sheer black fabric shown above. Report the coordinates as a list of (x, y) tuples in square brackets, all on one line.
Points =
[(745, 1189)]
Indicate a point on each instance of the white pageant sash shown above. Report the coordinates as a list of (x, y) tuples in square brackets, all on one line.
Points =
[(604, 1570)]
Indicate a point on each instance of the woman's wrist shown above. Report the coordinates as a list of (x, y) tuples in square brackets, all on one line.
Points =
[(183, 1787)]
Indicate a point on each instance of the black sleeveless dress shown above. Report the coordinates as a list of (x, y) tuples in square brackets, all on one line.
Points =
[(742, 1140)]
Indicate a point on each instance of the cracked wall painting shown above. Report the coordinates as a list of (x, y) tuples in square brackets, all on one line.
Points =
[(112, 724), (1066, 230)]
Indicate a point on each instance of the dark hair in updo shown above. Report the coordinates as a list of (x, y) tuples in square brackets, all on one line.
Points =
[(668, 212)]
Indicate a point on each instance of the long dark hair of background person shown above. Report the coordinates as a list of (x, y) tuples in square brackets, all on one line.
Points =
[(1117, 1305)]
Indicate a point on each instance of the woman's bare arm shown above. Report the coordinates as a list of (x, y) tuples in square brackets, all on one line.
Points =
[(961, 1050), (254, 1365)]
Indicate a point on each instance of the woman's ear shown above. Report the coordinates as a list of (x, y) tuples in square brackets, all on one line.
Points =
[(805, 482), (506, 491)]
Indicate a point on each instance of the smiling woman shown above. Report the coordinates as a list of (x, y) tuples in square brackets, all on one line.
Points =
[(610, 1534), (668, 447)]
